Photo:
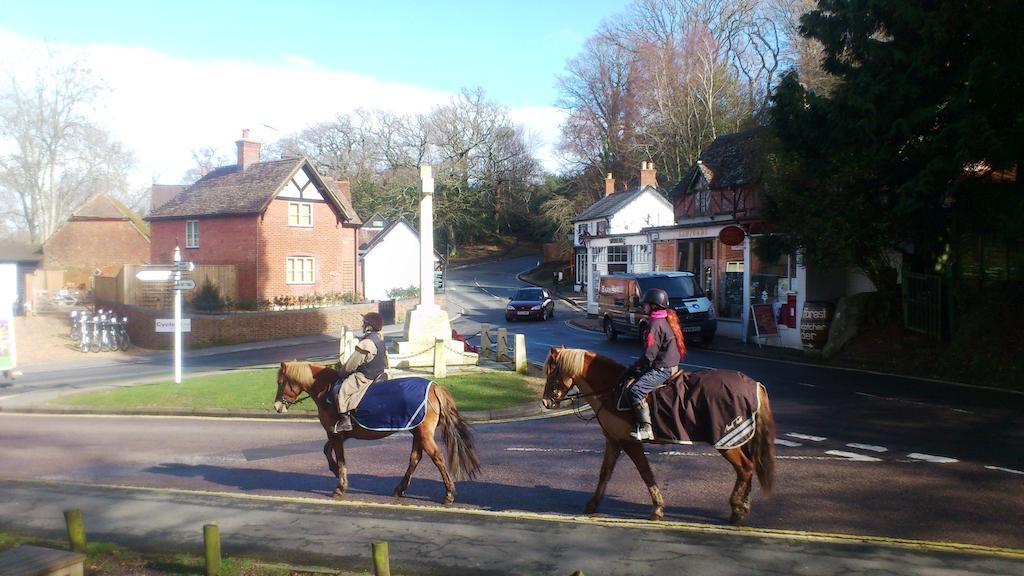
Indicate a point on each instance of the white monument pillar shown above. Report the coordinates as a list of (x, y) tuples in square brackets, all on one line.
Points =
[(427, 239), (428, 322)]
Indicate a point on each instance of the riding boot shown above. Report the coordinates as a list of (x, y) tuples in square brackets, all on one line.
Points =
[(344, 423), (643, 423)]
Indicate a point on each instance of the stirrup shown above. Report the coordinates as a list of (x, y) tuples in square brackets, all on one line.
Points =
[(343, 424), (642, 433)]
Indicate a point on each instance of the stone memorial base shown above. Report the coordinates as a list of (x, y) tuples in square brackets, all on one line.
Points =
[(424, 325)]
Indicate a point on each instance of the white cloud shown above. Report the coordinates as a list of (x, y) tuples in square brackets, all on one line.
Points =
[(163, 107)]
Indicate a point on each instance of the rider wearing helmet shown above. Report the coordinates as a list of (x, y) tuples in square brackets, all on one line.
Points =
[(364, 366), (663, 350)]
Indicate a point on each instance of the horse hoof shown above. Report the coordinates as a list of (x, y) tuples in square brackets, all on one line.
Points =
[(399, 493), (590, 509), (738, 519), (449, 500), (658, 515), (338, 494)]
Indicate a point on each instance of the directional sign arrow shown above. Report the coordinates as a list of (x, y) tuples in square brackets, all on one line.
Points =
[(184, 266), (185, 284), (154, 275)]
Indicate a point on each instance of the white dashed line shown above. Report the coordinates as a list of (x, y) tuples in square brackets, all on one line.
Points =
[(931, 458), (806, 437), (1001, 469), (852, 456), (787, 443), (868, 447), (806, 384)]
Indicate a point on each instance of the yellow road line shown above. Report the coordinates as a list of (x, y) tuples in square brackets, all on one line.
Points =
[(626, 523)]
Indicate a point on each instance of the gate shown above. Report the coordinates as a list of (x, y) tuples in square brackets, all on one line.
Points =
[(922, 304), (386, 309)]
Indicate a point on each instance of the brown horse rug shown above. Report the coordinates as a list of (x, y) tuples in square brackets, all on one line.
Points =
[(714, 406)]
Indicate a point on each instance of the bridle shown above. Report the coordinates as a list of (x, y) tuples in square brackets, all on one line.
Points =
[(577, 405)]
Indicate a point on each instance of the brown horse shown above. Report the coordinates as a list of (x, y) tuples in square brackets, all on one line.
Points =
[(293, 378), (596, 377)]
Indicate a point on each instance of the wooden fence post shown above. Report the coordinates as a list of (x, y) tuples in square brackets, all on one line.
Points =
[(381, 564), (485, 340), (519, 353), (76, 530), (440, 363), (211, 546), (501, 352)]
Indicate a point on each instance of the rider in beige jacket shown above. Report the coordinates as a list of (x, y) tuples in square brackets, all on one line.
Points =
[(367, 364)]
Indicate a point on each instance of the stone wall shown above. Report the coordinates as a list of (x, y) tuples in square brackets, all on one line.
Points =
[(240, 327)]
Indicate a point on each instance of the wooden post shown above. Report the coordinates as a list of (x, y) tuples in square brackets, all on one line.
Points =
[(440, 364), (485, 340), (501, 352), (381, 564), (211, 545), (519, 353), (76, 530)]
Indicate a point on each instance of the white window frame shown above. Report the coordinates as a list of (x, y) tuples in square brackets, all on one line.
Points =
[(308, 274), (191, 233), (299, 207)]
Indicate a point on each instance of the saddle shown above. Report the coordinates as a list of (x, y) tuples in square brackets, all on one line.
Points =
[(718, 407)]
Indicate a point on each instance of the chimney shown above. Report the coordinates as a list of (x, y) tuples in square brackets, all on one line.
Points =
[(248, 151), (344, 192), (609, 185), (648, 175)]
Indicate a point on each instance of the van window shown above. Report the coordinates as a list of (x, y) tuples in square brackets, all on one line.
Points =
[(677, 287)]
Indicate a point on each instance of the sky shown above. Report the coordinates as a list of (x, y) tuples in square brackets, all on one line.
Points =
[(190, 74)]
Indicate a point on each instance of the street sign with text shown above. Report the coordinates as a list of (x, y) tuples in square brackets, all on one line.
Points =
[(167, 325), (184, 266), (185, 284), (154, 275)]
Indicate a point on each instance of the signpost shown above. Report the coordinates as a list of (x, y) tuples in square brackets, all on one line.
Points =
[(176, 325)]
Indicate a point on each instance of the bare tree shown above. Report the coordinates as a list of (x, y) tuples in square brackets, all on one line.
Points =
[(58, 158)]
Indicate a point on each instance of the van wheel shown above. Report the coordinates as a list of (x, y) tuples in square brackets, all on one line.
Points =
[(609, 330)]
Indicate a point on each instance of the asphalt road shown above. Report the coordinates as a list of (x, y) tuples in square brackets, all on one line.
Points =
[(860, 455)]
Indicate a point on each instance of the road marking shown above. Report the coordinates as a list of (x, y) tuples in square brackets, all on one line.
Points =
[(914, 402), (806, 384), (852, 456), (485, 291), (788, 443), (1001, 469), (868, 447), (931, 458), (680, 453), (806, 437), (9, 396)]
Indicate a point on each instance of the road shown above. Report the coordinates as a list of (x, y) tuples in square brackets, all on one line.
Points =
[(860, 454)]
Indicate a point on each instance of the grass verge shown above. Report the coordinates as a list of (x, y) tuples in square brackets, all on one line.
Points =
[(254, 390)]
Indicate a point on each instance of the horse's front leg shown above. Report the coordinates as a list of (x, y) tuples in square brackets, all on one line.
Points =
[(337, 442), (332, 463), (635, 451), (612, 451), (739, 501)]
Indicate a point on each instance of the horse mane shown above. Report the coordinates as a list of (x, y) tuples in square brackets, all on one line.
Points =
[(570, 361), (299, 373)]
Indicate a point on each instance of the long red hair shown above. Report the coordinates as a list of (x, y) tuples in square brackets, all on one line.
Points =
[(673, 321)]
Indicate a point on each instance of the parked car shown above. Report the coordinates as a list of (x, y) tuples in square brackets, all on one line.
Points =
[(530, 303), (621, 310)]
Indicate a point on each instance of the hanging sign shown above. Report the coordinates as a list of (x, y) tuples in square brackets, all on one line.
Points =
[(732, 235)]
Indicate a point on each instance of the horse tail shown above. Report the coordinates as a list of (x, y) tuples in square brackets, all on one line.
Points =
[(762, 446), (458, 438)]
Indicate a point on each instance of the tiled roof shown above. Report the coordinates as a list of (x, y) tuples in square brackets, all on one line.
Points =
[(609, 204), (105, 207), (731, 160)]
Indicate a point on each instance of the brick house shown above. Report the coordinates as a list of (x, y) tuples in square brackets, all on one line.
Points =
[(101, 236), (288, 231)]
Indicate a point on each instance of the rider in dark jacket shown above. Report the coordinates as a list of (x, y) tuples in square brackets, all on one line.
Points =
[(367, 364), (663, 351)]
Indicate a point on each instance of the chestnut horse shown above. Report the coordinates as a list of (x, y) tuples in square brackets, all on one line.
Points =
[(294, 378), (595, 377)]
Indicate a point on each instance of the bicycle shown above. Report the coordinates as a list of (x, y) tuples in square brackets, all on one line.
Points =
[(122, 339), (76, 328)]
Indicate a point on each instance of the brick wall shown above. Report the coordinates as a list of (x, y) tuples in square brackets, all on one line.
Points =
[(81, 246), (240, 327), (223, 240)]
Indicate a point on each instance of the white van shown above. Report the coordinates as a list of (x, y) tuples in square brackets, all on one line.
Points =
[(620, 306)]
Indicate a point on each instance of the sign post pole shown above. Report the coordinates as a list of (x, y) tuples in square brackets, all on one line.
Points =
[(177, 316)]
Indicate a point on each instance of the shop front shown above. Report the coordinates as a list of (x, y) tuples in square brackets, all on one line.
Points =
[(734, 278), (615, 255)]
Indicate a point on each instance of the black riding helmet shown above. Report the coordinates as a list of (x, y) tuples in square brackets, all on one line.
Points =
[(374, 321), (657, 298)]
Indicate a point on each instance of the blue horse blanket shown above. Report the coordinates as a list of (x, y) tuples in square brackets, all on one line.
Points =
[(393, 405)]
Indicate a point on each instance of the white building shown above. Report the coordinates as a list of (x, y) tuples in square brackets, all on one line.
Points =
[(391, 260), (608, 235)]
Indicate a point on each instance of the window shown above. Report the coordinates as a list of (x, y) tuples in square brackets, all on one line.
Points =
[(191, 233), (300, 270), (618, 259), (300, 214)]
